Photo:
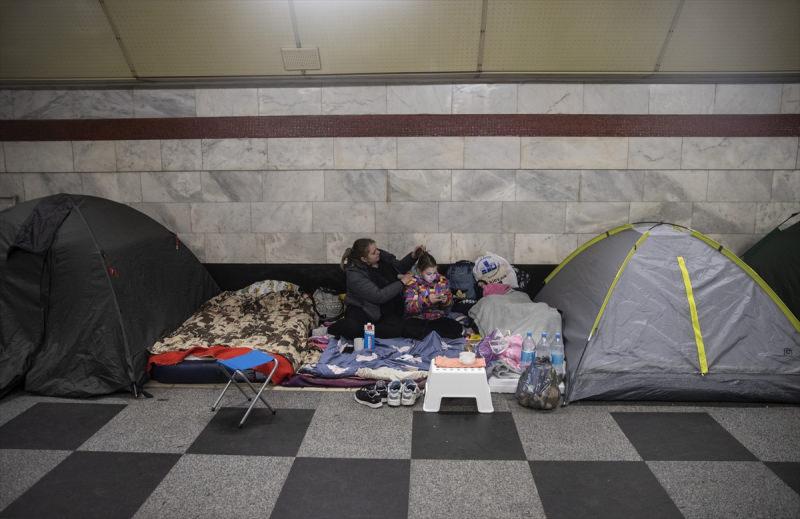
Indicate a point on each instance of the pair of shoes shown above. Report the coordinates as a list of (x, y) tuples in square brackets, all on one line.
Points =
[(373, 395), (402, 393)]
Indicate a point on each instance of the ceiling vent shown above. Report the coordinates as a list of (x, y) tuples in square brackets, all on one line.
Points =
[(300, 59)]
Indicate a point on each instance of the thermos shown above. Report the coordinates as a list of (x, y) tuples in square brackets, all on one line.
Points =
[(369, 337)]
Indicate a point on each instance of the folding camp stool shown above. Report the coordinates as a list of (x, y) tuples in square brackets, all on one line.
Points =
[(236, 366), (457, 383)]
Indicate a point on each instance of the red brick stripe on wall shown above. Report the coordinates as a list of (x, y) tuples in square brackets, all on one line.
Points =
[(403, 126)]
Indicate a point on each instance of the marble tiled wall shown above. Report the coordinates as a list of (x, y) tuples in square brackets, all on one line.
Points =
[(531, 199)]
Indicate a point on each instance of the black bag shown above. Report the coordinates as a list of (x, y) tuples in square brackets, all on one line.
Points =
[(327, 304), (538, 387)]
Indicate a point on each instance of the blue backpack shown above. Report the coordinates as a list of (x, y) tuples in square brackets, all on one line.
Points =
[(459, 274)]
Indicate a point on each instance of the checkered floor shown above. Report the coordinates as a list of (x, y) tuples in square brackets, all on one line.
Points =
[(324, 455)]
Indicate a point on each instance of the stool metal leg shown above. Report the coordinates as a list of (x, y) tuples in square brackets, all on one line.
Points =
[(258, 395), (231, 379)]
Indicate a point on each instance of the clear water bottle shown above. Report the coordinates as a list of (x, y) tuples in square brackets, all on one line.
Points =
[(542, 348), (528, 347), (557, 356)]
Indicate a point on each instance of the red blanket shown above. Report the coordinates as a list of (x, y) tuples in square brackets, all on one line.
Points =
[(171, 358)]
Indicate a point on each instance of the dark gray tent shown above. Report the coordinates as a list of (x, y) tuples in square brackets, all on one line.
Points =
[(86, 285), (660, 312)]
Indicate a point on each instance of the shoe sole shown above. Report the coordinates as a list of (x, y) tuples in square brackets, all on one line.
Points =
[(369, 404), (394, 403)]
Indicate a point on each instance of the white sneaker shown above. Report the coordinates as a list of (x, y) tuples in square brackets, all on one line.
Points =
[(393, 397), (410, 392)]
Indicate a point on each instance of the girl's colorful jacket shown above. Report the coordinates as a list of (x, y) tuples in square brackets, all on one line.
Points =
[(417, 298)]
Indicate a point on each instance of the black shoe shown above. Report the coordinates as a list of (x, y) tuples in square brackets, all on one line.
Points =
[(369, 397), (382, 388)]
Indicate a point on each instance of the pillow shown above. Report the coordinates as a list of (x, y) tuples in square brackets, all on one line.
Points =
[(267, 286)]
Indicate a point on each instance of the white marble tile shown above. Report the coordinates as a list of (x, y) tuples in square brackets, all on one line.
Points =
[(556, 185), (488, 185), (365, 152), (470, 246), (354, 100), (615, 99), (534, 217), (430, 152), (44, 104), (679, 213), (786, 186), (11, 184), (36, 157), (654, 152), (491, 152), (181, 155), (234, 154), (293, 186), (790, 99), (739, 152), (38, 185), (175, 217), (470, 217), (235, 248), (120, 187), (500, 98), (103, 104), (547, 98), (609, 185), (738, 243), (226, 102), (232, 186), (574, 152), (748, 99), (770, 215), (290, 101), (305, 153), (356, 185), (138, 155), (420, 99), (406, 217), (681, 99), (230, 217), (295, 247), (6, 104), (724, 217), (279, 217), (172, 186), (437, 244), (675, 186), (196, 243), (337, 242), (419, 185), (164, 103), (96, 156), (543, 249), (739, 186), (595, 217), (348, 217)]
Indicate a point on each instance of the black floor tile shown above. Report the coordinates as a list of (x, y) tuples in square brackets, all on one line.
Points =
[(467, 436), (56, 426), (94, 484), (680, 437), (595, 489), (338, 487), (263, 434), (789, 472)]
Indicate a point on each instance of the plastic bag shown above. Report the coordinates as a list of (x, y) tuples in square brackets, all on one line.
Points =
[(327, 304), (538, 387)]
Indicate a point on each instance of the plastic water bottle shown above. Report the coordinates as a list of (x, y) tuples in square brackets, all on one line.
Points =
[(528, 346), (369, 337), (542, 348), (557, 356)]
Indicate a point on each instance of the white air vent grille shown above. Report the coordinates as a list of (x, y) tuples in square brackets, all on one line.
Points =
[(300, 59)]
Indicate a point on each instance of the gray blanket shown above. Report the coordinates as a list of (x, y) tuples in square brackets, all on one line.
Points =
[(516, 312)]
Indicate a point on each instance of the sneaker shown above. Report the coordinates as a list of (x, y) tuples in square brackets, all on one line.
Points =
[(394, 393), (369, 397), (382, 388), (410, 392)]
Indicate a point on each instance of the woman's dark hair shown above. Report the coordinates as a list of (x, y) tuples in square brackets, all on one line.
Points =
[(425, 260), (356, 252)]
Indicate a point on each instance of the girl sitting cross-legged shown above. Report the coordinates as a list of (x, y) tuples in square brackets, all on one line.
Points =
[(427, 301)]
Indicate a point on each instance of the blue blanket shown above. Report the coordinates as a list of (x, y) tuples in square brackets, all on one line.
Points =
[(398, 354)]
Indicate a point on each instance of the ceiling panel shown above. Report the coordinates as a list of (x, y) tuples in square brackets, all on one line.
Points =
[(736, 36), (180, 38), (49, 39), (592, 36), (391, 36)]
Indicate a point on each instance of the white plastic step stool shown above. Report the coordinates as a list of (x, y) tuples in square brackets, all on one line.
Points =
[(457, 383)]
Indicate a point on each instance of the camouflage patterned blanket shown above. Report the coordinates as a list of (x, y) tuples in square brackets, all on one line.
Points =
[(276, 322)]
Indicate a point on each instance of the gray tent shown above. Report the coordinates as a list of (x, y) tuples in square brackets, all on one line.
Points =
[(660, 312)]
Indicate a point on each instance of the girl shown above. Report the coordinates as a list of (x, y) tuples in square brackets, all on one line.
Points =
[(427, 301)]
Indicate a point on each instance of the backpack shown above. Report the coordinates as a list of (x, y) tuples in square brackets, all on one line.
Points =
[(538, 387), (327, 304), (459, 274)]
